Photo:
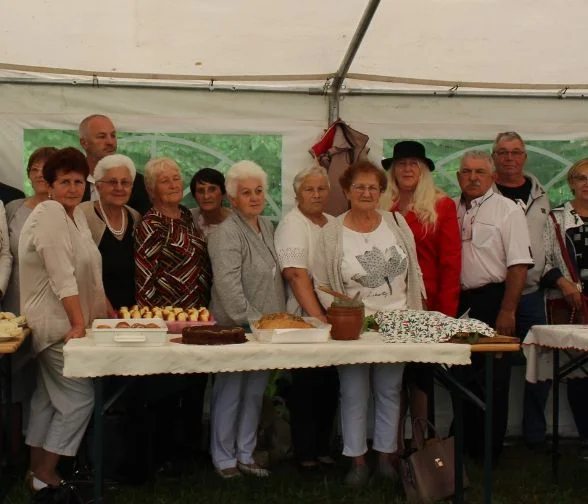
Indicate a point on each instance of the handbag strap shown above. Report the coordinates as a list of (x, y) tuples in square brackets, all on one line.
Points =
[(564, 250)]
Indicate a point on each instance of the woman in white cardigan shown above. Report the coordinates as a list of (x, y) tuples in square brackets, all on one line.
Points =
[(372, 253)]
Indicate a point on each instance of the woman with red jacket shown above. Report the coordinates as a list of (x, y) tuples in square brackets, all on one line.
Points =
[(432, 217)]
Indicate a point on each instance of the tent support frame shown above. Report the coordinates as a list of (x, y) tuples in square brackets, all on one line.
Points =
[(334, 89)]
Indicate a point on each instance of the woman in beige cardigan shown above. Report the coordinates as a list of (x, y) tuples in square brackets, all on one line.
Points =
[(370, 253), (112, 222)]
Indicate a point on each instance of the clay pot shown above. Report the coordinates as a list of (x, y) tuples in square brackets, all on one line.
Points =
[(346, 322)]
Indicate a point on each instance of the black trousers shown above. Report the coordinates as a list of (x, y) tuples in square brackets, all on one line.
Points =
[(484, 304), (312, 402)]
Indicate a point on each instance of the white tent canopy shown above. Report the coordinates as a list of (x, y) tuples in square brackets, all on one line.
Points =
[(528, 43)]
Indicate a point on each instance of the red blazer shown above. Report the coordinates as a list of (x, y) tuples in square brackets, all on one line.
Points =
[(439, 256)]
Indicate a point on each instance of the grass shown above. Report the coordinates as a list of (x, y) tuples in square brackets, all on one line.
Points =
[(522, 477)]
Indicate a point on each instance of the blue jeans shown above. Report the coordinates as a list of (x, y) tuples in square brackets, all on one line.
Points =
[(531, 311)]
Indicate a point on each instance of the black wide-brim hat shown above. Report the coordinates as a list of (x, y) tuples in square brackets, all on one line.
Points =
[(408, 149)]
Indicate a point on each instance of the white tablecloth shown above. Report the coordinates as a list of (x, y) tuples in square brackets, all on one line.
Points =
[(541, 338), (83, 359)]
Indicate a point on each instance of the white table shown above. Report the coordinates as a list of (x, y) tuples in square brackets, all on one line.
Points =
[(542, 347), (84, 359)]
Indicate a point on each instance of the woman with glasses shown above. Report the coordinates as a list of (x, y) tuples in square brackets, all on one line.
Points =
[(432, 218), (572, 219), (372, 253), (312, 400), (112, 223)]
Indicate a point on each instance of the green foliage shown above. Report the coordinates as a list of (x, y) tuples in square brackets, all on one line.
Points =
[(189, 150), (548, 160)]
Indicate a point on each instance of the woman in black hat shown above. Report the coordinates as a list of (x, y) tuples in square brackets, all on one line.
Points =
[(432, 217)]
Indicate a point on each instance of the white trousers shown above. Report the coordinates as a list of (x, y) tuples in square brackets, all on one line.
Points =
[(354, 386), (234, 417), (60, 407)]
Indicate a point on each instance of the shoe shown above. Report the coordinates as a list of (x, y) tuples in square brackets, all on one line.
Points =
[(308, 466), (358, 476), (386, 470), (229, 473), (253, 470), (326, 461)]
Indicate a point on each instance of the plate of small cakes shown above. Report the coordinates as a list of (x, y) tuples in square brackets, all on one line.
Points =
[(131, 332), (176, 318)]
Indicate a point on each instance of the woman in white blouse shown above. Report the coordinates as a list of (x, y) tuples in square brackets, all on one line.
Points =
[(61, 291), (314, 394)]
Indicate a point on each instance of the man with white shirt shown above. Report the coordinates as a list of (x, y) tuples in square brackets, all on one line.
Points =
[(98, 139), (495, 258)]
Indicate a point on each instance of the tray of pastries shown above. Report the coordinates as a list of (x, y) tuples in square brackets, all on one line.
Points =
[(175, 318), (131, 332), (286, 328)]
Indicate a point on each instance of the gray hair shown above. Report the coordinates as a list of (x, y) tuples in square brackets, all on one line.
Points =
[(477, 154), (243, 170), (315, 169), (154, 167), (507, 135), (114, 161), (83, 127)]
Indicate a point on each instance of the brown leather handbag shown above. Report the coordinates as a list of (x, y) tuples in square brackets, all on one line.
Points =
[(428, 473), (558, 310)]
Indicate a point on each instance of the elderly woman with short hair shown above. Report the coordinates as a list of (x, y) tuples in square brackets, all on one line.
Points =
[(170, 252), (247, 284), (112, 222), (172, 268), (313, 397), (62, 292), (370, 253), (208, 190)]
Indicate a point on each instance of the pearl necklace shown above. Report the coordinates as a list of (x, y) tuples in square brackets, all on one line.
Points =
[(115, 232)]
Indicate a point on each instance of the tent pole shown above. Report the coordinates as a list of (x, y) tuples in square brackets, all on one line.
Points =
[(339, 77)]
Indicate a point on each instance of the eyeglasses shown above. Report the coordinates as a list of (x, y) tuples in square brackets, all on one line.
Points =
[(360, 188), (113, 183), (581, 179), (503, 153)]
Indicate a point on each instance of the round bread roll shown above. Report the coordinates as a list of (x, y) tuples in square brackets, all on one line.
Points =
[(152, 325), (123, 325), (103, 326), (138, 326), (193, 317), (182, 317)]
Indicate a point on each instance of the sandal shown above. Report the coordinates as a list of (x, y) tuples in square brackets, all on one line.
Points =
[(229, 473), (253, 470)]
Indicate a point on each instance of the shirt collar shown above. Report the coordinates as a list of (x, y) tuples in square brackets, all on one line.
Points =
[(478, 201)]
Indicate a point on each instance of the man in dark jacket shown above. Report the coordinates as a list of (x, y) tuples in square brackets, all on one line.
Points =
[(9, 193), (98, 139)]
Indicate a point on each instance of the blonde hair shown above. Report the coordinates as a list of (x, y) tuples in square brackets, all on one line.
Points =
[(424, 199), (574, 169), (154, 167)]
